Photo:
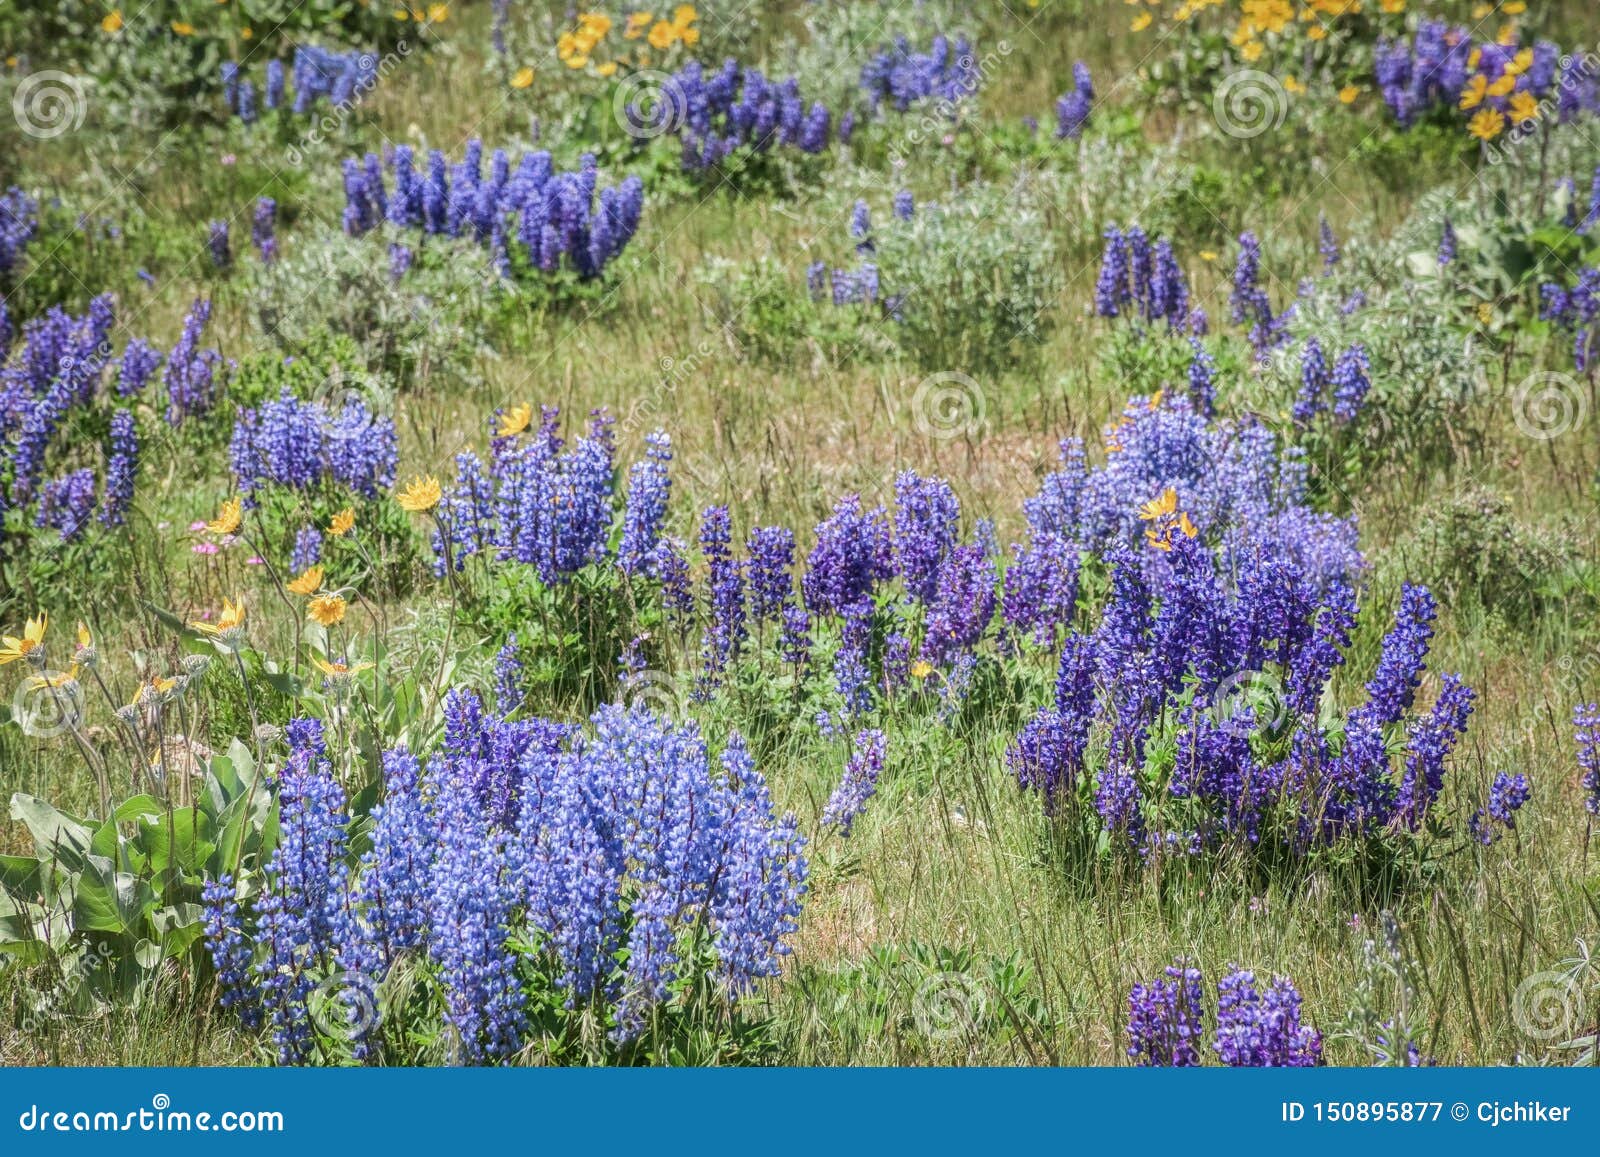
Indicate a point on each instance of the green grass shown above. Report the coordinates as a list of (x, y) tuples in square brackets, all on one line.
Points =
[(952, 872)]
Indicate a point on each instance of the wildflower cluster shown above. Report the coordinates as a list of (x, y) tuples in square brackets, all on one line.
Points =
[(1141, 279), (734, 109), (517, 848), (1257, 1026), (900, 76), (1498, 83), (291, 443), (343, 78), (530, 216)]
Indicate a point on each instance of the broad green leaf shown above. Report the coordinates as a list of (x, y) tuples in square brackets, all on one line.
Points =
[(56, 835)]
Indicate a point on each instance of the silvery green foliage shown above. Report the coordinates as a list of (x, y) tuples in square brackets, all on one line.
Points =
[(429, 320), (972, 284)]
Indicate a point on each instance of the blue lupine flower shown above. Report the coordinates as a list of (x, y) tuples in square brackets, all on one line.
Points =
[(1263, 1030), (649, 490), (1507, 794), (122, 469), (1165, 1019), (1586, 724), (859, 783)]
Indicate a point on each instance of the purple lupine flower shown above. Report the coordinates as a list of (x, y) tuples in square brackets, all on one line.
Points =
[(140, 359), (905, 205), (926, 520), (1313, 382), (645, 509), (67, 503), (1586, 726), (853, 553), (122, 469), (962, 606), (770, 551), (307, 550), (726, 632), (859, 783), (1447, 244), (1327, 244), (1405, 648), (1202, 379), (1350, 382), (217, 243), (1263, 1030), (508, 678), (263, 226), (1165, 1019), (1507, 794)]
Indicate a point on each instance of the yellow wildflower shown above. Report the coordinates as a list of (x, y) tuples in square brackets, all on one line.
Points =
[(1348, 94), (229, 518), (1141, 22), (183, 28), (421, 496), (1524, 108), (342, 522), (309, 582), (229, 627), (1486, 124), (112, 21), (326, 609), (515, 420), (13, 648), (523, 78)]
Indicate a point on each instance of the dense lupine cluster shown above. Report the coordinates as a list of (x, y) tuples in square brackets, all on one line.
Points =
[(1442, 67), (298, 444), (342, 77), (1228, 477), (717, 113), (900, 76), (541, 503), (1138, 278), (1073, 107), (1341, 390), (58, 368), (1254, 1028), (1177, 654), (192, 372), (1576, 310), (622, 842), (528, 215)]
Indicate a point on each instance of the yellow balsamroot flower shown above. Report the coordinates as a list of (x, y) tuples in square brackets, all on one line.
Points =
[(1472, 94), (921, 669), (342, 522), (183, 28), (340, 671), (636, 25), (515, 420), (576, 62), (1504, 86), (438, 13), (1394, 7), (52, 680), (229, 627), (523, 78), (1208, 255), (1520, 63), (1515, 8), (663, 34), (1486, 124), (1479, 11), (1251, 51), (1317, 33), (421, 496), (1290, 84), (684, 15), (112, 22), (609, 68), (229, 518), (326, 609), (246, 33), (1348, 94), (1160, 507), (401, 15), (309, 582), (30, 646), (1141, 22), (1188, 528), (594, 24), (1524, 108), (157, 688)]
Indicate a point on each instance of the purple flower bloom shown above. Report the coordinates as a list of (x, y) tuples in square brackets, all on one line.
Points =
[(1263, 1030), (1165, 1019), (859, 783)]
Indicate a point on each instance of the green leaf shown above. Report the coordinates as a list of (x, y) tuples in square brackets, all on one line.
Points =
[(111, 901), (56, 835), (182, 840)]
